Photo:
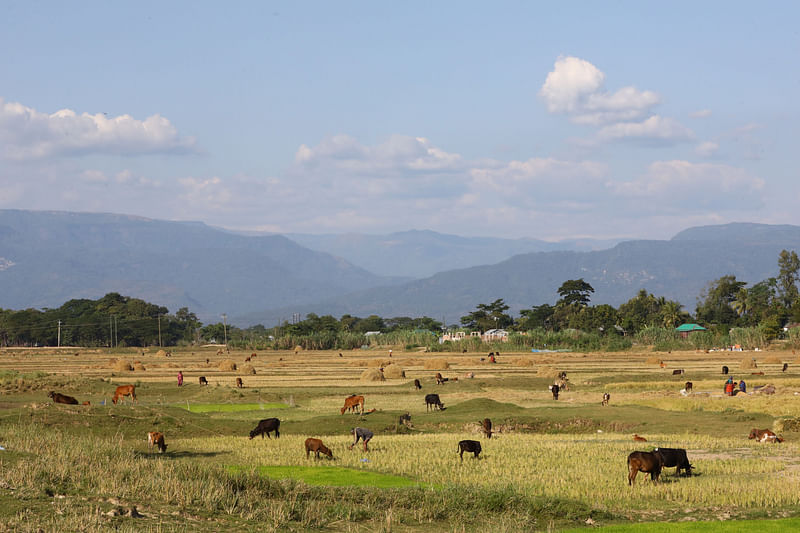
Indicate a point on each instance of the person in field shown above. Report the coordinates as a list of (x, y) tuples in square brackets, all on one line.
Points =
[(742, 387), (363, 434), (180, 378)]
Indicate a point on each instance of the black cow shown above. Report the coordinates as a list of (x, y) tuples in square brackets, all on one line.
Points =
[(62, 398), (433, 400), (688, 386), (785, 366), (417, 384), (469, 446), (677, 372), (554, 389), (724, 369), (648, 462), (675, 457), (265, 426), (203, 380)]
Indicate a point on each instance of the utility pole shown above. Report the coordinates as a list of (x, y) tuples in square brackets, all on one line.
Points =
[(59, 334), (116, 330), (111, 331), (225, 328), (159, 331)]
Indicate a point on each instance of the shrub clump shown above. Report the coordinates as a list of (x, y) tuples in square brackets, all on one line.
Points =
[(372, 374), (226, 365)]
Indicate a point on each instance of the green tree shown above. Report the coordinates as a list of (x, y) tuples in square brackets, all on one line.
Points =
[(715, 302), (488, 316), (575, 291), (539, 316), (789, 265)]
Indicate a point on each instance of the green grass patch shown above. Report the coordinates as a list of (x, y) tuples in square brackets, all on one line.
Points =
[(730, 526), (231, 407), (334, 476)]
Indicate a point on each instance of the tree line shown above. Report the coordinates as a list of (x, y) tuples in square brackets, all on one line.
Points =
[(116, 320)]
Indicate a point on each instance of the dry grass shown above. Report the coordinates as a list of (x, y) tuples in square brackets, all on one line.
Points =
[(138, 366), (548, 372), (394, 372), (122, 365), (161, 353), (653, 361), (748, 363), (227, 365), (372, 374), (378, 363), (524, 361), (436, 364), (773, 360), (248, 369)]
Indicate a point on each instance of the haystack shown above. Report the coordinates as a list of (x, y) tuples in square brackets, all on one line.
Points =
[(372, 374), (786, 423), (524, 361), (161, 353), (773, 360), (436, 364), (358, 362), (138, 366), (654, 361), (548, 372), (122, 365), (226, 365), (378, 363), (394, 372), (248, 369), (748, 363)]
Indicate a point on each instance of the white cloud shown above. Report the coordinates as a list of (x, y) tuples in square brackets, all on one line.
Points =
[(707, 149), (701, 113), (655, 129), (575, 87), (26, 133)]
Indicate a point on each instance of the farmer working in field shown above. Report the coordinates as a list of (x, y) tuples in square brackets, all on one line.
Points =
[(361, 433)]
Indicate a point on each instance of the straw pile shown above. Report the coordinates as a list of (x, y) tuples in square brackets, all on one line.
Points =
[(394, 372), (372, 374), (436, 364), (123, 365), (226, 365)]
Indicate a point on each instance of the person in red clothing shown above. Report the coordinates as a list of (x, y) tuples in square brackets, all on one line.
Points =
[(180, 378)]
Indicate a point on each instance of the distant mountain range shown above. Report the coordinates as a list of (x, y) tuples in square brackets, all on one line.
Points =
[(47, 258)]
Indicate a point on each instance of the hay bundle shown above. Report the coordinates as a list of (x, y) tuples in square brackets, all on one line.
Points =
[(786, 424), (138, 366), (161, 353), (548, 372), (372, 374), (748, 363), (773, 360), (378, 363), (358, 363), (654, 361), (248, 369), (122, 365), (298, 348), (436, 364), (112, 362), (394, 372), (226, 365), (524, 361)]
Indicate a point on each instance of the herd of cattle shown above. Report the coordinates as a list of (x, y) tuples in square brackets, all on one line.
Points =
[(648, 462)]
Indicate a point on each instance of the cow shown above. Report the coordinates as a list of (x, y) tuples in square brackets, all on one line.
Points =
[(154, 438), (353, 401), (563, 384), (486, 425), (675, 457), (606, 397), (239, 383), (637, 438), (417, 384), (764, 435), (316, 446), (433, 400), (554, 390), (439, 379), (724, 369), (469, 446), (677, 372), (647, 462), (62, 398), (124, 390), (87, 402), (688, 386), (248, 359), (785, 367), (202, 380), (265, 426)]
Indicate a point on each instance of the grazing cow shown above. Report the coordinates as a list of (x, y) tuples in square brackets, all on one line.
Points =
[(662, 364), (757, 373), (675, 457), (606, 397), (154, 438), (124, 390), (316, 446), (554, 390), (239, 383), (688, 386), (203, 380), (417, 384), (353, 401), (677, 372), (764, 435), (247, 359), (785, 367), (439, 379), (724, 369), (468, 446), (87, 402), (265, 426), (637, 438), (62, 398), (433, 400), (647, 462), (486, 425)]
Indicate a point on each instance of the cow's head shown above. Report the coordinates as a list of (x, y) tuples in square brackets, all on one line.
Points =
[(753, 434)]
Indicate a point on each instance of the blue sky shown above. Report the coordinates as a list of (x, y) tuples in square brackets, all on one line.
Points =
[(513, 119)]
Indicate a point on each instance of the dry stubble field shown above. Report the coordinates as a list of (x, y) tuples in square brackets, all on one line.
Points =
[(551, 464)]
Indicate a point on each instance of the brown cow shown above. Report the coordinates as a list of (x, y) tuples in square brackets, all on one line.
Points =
[(647, 462), (154, 438), (637, 438), (315, 445), (239, 383), (62, 398), (439, 379), (487, 427), (764, 435), (124, 390), (417, 384), (351, 402), (247, 359)]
